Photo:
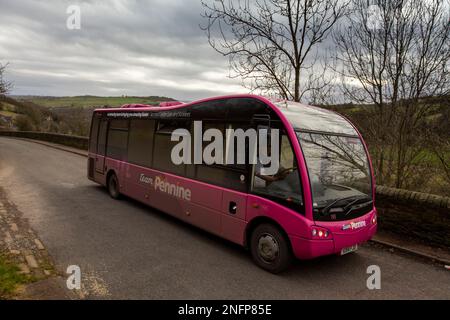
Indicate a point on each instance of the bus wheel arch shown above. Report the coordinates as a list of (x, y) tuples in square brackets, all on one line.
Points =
[(112, 184), (264, 232), (257, 221)]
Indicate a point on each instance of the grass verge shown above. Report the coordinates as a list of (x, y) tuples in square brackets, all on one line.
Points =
[(10, 278)]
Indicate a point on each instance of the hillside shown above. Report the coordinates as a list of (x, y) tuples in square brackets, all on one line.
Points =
[(26, 116), (67, 115), (89, 101)]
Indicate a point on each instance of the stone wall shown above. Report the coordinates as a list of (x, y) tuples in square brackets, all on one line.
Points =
[(67, 140), (414, 214)]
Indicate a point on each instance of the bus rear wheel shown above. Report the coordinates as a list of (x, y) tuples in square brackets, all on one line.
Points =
[(113, 186), (270, 248)]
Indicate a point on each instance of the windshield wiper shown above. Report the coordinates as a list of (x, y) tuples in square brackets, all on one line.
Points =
[(352, 206), (352, 199)]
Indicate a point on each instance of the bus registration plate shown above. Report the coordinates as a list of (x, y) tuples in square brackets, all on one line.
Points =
[(349, 249)]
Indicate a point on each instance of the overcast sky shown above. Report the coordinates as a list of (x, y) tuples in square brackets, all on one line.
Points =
[(132, 47)]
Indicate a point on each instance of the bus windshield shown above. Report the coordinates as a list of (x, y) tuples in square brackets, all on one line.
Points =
[(339, 173)]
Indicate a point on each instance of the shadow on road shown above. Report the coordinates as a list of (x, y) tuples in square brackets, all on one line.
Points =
[(311, 267)]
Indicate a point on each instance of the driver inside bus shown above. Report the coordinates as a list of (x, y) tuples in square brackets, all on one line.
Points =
[(262, 181), (285, 183)]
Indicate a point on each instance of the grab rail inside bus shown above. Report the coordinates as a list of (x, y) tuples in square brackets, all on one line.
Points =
[(136, 105), (162, 104)]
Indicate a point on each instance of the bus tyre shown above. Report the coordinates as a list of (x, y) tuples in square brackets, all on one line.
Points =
[(113, 186), (270, 248)]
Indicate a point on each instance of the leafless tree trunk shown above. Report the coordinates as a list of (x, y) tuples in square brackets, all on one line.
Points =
[(392, 56), (439, 142), (273, 44), (5, 86)]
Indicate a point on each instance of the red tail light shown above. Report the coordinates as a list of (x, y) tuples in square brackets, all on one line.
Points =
[(320, 233)]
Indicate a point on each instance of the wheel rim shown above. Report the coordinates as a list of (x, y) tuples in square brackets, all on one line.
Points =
[(113, 185), (268, 248)]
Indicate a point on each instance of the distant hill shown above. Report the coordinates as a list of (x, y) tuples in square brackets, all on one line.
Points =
[(67, 115), (27, 116), (90, 101)]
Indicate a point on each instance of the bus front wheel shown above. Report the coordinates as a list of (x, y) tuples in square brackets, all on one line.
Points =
[(113, 186), (270, 248)]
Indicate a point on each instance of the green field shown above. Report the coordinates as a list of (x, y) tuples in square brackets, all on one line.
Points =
[(8, 114), (90, 101)]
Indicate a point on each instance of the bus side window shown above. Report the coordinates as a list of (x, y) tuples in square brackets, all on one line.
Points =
[(117, 139), (221, 174), (233, 141), (163, 145), (102, 133), (284, 186), (140, 142), (94, 134)]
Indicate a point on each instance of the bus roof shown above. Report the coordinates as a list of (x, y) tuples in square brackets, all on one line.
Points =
[(310, 118), (300, 116)]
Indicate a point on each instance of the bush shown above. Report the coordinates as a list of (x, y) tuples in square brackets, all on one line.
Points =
[(23, 123)]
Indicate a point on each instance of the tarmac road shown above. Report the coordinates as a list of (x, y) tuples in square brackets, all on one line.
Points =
[(128, 250)]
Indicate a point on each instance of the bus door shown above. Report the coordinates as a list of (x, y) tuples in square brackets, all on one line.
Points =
[(234, 198), (234, 207), (101, 146)]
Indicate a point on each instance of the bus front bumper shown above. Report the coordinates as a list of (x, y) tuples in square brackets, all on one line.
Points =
[(311, 248)]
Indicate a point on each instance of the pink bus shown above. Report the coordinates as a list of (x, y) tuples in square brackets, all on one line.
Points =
[(320, 202)]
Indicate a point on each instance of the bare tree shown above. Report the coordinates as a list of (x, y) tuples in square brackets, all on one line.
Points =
[(392, 56), (5, 86), (439, 143), (273, 44)]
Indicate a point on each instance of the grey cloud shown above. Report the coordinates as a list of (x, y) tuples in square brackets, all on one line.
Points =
[(123, 47)]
